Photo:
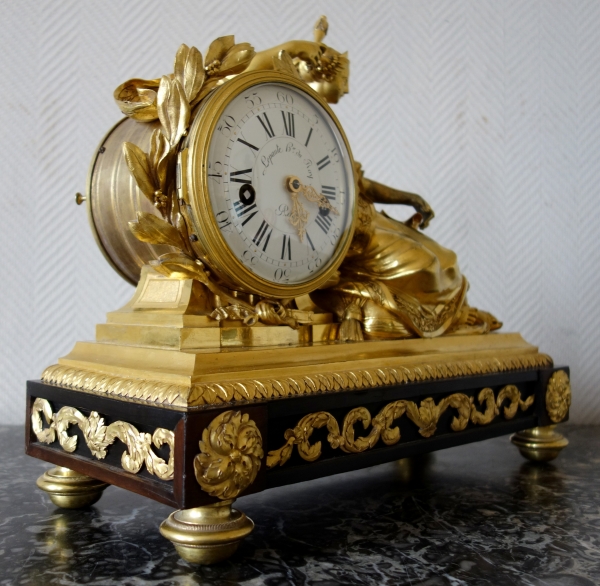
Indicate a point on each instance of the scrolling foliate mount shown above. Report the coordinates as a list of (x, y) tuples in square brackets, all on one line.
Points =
[(171, 99), (425, 415), (98, 437)]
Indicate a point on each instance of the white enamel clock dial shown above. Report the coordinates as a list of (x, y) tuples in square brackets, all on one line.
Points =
[(280, 183)]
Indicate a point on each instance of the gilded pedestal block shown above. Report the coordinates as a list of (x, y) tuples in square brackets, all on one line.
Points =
[(197, 429)]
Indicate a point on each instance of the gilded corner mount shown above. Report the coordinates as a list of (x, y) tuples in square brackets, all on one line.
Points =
[(558, 396), (230, 455)]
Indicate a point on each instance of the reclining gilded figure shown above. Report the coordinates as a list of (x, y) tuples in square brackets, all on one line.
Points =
[(395, 282)]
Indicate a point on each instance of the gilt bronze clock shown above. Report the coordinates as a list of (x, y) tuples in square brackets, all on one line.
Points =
[(269, 178), (282, 328)]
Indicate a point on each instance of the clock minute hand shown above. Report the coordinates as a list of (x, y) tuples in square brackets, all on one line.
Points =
[(299, 216)]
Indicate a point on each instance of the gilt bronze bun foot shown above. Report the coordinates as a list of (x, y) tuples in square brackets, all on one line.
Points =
[(540, 444), (69, 489), (207, 535)]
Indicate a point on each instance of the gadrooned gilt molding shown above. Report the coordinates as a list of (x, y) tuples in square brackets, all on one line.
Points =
[(230, 455), (426, 416), (558, 396), (99, 436), (149, 391)]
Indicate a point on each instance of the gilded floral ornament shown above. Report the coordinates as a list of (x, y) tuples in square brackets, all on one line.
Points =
[(230, 455), (426, 416), (98, 437), (558, 396), (136, 98)]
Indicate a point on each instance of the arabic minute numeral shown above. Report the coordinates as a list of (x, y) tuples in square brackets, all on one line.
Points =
[(226, 125), (282, 275), (333, 237), (253, 100), (335, 154), (215, 171), (224, 221), (248, 258), (285, 98), (313, 265)]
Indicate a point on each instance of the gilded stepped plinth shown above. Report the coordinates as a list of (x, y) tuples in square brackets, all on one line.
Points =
[(181, 379), (160, 349)]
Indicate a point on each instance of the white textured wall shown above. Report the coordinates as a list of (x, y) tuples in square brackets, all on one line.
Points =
[(489, 108)]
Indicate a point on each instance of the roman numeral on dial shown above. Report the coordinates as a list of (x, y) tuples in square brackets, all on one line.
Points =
[(323, 162), (324, 222), (242, 209), (233, 177), (288, 125), (286, 249), (308, 137), (266, 124), (328, 192), (260, 234), (248, 144)]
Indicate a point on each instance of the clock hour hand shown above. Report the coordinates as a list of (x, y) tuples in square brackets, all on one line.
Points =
[(294, 185), (299, 215)]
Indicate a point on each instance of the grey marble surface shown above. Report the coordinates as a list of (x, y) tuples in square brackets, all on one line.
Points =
[(477, 514)]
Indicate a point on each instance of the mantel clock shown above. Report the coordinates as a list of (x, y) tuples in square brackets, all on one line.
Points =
[(275, 307)]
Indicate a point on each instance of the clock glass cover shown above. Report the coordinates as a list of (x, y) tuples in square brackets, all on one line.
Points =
[(280, 183)]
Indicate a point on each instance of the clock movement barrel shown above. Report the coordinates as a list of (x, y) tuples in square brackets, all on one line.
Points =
[(113, 200)]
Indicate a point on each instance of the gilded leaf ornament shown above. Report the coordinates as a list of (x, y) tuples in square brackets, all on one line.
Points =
[(246, 389), (230, 455), (173, 110), (159, 159), (150, 228), (284, 63), (189, 71), (139, 166), (425, 415), (98, 437), (170, 99)]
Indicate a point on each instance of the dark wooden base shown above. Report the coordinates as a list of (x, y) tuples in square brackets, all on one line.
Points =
[(273, 418)]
